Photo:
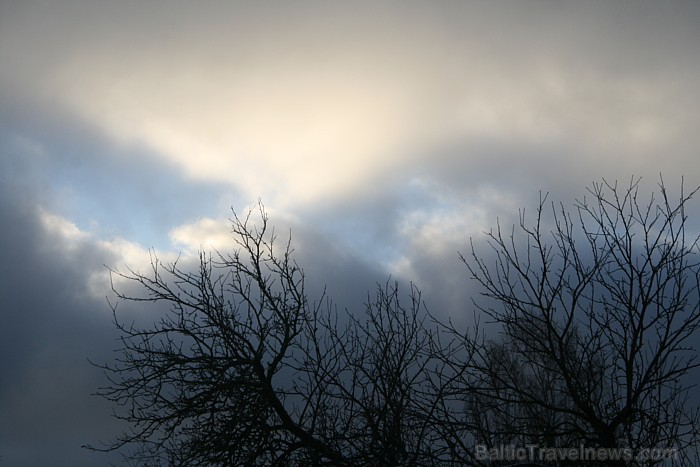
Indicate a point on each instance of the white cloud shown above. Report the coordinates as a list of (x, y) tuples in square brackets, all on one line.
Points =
[(65, 238), (67, 235), (443, 224), (204, 234)]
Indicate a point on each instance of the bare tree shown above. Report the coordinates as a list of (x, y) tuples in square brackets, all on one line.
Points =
[(245, 370), (597, 314), (592, 313)]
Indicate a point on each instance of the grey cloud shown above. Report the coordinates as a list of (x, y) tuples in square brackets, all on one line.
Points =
[(51, 320), (589, 72), (50, 325), (109, 188)]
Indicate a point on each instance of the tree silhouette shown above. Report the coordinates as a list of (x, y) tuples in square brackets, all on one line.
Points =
[(597, 315), (595, 318), (245, 370)]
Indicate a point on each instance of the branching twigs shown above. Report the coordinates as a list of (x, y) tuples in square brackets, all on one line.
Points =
[(597, 325), (597, 307)]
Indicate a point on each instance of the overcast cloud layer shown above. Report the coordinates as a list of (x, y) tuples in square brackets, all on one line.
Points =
[(384, 134)]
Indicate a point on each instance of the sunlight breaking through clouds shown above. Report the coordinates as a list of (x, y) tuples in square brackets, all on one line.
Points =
[(281, 113)]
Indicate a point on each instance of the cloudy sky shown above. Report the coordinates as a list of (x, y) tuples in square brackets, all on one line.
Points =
[(384, 134)]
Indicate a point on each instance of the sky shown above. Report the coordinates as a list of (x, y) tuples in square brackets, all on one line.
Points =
[(382, 134)]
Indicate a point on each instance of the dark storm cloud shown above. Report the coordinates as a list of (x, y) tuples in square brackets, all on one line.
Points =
[(53, 319), (50, 325)]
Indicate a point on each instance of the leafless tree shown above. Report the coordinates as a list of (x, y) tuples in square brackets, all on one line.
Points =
[(590, 316), (597, 312), (245, 370)]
